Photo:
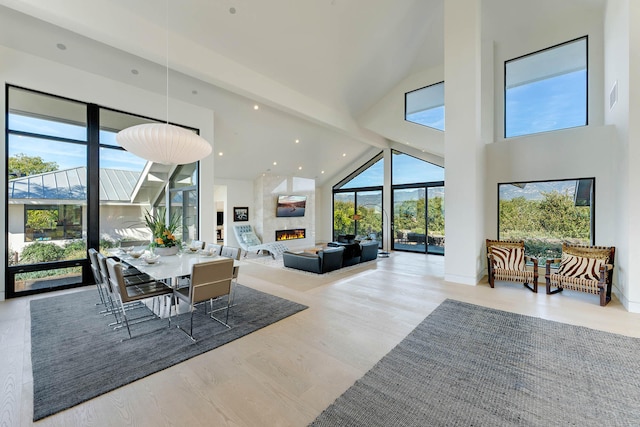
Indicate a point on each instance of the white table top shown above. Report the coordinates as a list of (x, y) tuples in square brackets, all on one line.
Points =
[(168, 267)]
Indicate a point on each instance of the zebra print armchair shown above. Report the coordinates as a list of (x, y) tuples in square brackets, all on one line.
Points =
[(583, 268), (507, 261)]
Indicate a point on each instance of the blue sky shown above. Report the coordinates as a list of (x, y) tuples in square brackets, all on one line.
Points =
[(549, 104), (64, 154)]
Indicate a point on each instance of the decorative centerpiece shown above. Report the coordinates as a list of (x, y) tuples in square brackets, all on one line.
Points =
[(164, 241)]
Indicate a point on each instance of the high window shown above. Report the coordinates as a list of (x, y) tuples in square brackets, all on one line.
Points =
[(546, 90), (426, 106), (71, 186), (547, 213)]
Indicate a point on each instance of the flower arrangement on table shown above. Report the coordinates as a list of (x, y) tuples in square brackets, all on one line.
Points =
[(163, 233)]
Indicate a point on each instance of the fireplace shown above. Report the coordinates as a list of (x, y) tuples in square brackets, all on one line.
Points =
[(293, 234)]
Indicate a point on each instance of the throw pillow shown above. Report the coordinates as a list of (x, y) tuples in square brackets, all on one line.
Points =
[(508, 258), (580, 267)]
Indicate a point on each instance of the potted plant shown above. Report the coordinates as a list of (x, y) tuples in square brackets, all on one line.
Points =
[(164, 239)]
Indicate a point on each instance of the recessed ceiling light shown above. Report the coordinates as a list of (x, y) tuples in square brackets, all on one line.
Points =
[(256, 107), (299, 168), (232, 10), (321, 171), (135, 72), (275, 163), (297, 141), (220, 153), (61, 46), (344, 154)]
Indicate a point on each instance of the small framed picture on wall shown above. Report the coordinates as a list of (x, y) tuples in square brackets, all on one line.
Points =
[(240, 214)]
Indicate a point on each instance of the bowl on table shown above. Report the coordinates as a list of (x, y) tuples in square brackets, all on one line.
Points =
[(193, 249), (136, 254), (151, 258), (207, 253)]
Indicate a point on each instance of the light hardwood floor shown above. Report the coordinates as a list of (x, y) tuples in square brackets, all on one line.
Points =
[(287, 373)]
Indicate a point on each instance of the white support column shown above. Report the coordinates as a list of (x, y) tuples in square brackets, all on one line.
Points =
[(464, 148)]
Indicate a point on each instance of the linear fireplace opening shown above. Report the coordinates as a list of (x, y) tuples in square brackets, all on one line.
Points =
[(293, 234)]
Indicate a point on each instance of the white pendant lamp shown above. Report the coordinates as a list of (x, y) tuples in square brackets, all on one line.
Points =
[(162, 142)]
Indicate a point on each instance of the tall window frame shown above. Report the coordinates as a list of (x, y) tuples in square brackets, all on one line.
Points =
[(417, 195), (547, 90), (357, 202), (84, 132)]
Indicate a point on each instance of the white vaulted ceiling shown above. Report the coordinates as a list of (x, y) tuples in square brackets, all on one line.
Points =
[(313, 66)]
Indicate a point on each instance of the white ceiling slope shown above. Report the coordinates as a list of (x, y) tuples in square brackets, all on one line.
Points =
[(330, 73), (314, 66)]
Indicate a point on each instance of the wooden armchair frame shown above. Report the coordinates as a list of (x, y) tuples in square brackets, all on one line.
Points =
[(601, 287), (529, 278)]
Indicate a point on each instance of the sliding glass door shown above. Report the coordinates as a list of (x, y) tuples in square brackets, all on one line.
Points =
[(409, 219), (435, 220), (418, 219)]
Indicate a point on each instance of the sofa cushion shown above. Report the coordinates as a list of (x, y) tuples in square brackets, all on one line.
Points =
[(580, 267), (508, 258)]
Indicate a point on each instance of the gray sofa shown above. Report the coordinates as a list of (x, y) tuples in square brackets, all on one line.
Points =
[(332, 258), (368, 250), (323, 262)]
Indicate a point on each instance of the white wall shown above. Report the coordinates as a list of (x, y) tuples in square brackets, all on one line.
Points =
[(464, 147), (47, 76), (616, 68), (267, 189), (239, 194), (511, 43), (633, 157)]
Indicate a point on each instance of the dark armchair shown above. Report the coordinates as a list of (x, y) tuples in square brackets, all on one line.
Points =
[(369, 250)]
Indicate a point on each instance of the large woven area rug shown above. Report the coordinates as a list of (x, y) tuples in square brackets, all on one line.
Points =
[(467, 365), (76, 356)]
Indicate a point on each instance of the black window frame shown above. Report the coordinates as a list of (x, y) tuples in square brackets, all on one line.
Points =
[(93, 192), (504, 92), (417, 90)]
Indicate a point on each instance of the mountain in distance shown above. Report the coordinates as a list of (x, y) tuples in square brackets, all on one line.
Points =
[(534, 190)]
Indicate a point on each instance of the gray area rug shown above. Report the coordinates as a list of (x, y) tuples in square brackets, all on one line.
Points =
[(467, 365), (76, 356)]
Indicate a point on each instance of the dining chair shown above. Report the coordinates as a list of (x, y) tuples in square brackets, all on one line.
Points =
[(213, 248), (134, 293), (233, 253), (97, 277), (209, 281), (197, 244)]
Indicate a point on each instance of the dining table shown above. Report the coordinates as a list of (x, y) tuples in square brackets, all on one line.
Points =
[(168, 268)]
